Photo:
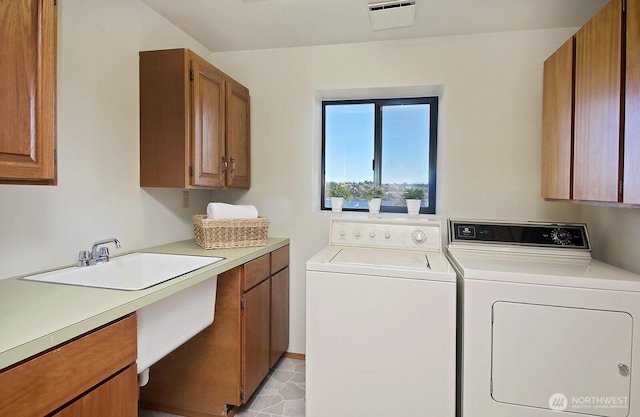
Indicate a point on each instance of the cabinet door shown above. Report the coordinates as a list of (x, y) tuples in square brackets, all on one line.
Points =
[(27, 91), (598, 106), (631, 191), (255, 337), (208, 125), (279, 315), (115, 398), (238, 136), (557, 123), (47, 381)]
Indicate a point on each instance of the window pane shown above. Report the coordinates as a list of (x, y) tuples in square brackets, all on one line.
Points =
[(349, 142), (405, 151)]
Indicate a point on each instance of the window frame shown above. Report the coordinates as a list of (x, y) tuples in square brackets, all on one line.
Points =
[(377, 156)]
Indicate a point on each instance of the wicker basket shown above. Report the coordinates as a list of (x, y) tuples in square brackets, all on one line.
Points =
[(230, 233)]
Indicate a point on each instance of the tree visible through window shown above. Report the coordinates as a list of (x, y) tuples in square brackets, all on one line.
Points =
[(387, 145)]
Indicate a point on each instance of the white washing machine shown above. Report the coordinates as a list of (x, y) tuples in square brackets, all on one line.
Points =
[(380, 324), (544, 330)]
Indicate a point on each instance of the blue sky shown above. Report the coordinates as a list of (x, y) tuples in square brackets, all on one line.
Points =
[(349, 143)]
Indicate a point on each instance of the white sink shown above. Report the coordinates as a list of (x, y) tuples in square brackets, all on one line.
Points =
[(165, 324), (168, 323), (135, 271)]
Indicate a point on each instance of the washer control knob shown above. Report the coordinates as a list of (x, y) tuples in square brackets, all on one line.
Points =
[(357, 233), (372, 234), (419, 236), (387, 235)]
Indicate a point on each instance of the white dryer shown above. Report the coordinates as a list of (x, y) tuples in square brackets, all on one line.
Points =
[(381, 306), (544, 330)]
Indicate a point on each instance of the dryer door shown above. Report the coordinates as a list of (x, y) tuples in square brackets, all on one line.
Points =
[(566, 359)]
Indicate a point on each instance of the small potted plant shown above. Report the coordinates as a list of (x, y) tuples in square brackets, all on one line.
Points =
[(414, 197), (374, 195), (339, 193)]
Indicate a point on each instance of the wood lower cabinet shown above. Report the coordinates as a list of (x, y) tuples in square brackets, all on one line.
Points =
[(28, 29), (279, 313), (87, 377), (194, 123), (117, 397), (221, 367)]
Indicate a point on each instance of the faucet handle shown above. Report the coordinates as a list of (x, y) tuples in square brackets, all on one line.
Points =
[(83, 257), (103, 252)]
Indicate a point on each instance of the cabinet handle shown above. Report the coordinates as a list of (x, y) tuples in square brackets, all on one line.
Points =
[(233, 165), (224, 164)]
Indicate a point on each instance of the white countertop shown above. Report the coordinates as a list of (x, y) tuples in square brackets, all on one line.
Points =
[(36, 316)]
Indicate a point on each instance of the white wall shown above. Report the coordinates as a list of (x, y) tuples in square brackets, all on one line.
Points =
[(489, 139), (98, 195), (614, 233), (489, 142)]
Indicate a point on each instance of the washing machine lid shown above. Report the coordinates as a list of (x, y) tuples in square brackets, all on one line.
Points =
[(391, 263), (542, 270)]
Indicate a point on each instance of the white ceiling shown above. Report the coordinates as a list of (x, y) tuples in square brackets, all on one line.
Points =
[(231, 25)]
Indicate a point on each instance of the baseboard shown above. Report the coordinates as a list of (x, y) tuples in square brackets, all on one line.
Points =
[(292, 355)]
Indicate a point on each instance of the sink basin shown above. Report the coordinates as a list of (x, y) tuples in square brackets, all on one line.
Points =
[(168, 323), (165, 324), (135, 271)]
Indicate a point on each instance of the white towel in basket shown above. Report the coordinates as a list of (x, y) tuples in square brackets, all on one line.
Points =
[(231, 211)]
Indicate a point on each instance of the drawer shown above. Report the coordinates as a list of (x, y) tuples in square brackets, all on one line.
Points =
[(47, 381), (279, 259), (255, 272)]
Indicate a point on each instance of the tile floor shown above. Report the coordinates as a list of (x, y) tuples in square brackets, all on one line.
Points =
[(280, 395)]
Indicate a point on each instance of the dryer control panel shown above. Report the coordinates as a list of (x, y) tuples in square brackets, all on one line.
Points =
[(388, 233), (533, 234)]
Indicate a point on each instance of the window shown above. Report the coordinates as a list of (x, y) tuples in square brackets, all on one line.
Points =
[(388, 145)]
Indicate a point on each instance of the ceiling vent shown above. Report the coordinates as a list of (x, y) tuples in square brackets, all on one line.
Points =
[(392, 14)]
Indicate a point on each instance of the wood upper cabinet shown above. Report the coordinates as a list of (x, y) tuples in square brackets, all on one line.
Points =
[(194, 123), (91, 376), (208, 104), (598, 112), (557, 123), (238, 135), (222, 366), (631, 189), (606, 120), (28, 29)]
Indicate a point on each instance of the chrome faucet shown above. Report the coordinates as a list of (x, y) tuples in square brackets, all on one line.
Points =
[(97, 255)]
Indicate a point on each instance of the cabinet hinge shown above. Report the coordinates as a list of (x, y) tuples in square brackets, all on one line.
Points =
[(492, 316), (191, 75), (55, 156), (191, 171), (491, 387), (241, 394), (624, 5), (242, 302)]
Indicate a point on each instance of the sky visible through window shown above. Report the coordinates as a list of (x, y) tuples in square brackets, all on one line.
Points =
[(350, 145)]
